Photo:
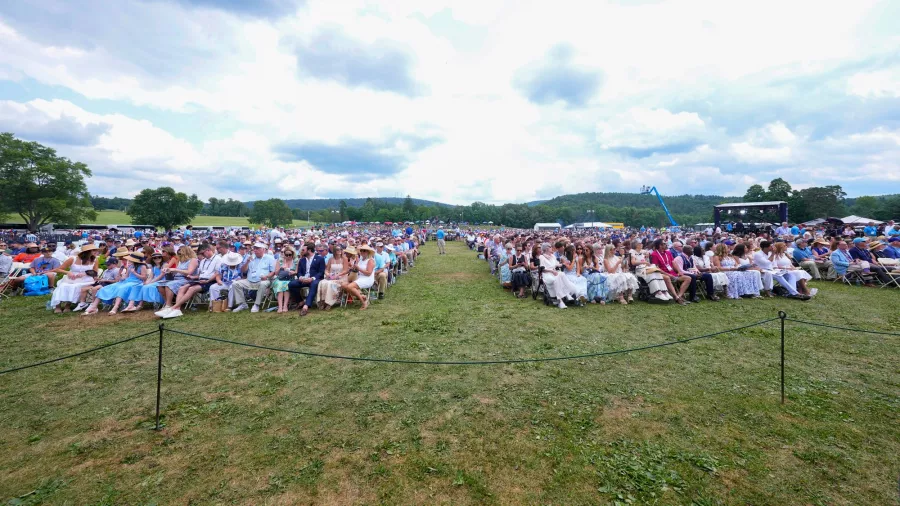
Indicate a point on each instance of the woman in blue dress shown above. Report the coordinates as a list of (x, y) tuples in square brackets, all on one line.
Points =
[(177, 276), (135, 275), (596, 280), (505, 271), (148, 292)]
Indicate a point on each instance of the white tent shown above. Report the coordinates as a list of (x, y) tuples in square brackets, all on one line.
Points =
[(859, 220), (590, 224), (547, 226)]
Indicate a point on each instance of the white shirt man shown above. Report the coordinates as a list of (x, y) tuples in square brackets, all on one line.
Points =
[(771, 273)]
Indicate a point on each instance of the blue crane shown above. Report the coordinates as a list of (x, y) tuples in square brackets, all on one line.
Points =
[(645, 190)]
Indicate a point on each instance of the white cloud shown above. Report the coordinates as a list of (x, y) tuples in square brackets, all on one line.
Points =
[(641, 128), (695, 90), (881, 83)]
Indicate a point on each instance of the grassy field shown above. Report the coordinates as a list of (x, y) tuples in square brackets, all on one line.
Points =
[(120, 218), (694, 423)]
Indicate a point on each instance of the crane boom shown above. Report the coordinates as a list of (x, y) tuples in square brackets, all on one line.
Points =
[(647, 191)]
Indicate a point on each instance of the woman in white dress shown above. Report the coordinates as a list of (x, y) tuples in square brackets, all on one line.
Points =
[(336, 271), (68, 290), (557, 283), (572, 261), (798, 276), (620, 284), (366, 276), (655, 281)]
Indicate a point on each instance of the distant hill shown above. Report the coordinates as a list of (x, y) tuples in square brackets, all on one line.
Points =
[(535, 203), (677, 204), (320, 204)]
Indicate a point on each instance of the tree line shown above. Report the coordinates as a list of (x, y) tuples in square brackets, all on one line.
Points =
[(42, 187)]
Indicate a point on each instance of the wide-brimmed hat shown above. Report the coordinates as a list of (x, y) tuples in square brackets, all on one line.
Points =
[(823, 242), (350, 250), (130, 242), (121, 252), (366, 247), (875, 244), (88, 247), (156, 254), (134, 259), (138, 254), (232, 259), (389, 247)]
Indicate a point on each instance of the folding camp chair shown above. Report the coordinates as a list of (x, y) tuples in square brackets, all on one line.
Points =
[(6, 288)]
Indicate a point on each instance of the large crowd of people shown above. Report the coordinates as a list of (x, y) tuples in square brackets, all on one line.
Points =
[(236, 271), (579, 266), (279, 270)]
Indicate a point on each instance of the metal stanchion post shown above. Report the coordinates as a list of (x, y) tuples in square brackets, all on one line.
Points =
[(782, 315), (159, 373)]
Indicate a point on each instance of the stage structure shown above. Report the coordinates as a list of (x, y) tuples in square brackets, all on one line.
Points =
[(750, 211)]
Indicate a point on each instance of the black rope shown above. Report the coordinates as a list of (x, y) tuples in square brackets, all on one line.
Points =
[(843, 328), (45, 362), (476, 362)]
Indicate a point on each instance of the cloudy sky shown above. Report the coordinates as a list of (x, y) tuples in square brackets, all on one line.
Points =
[(457, 101)]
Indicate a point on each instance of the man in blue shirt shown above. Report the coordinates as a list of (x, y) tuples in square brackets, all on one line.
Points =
[(893, 249), (440, 240), (871, 230), (892, 229), (803, 255), (258, 273), (860, 253), (382, 264)]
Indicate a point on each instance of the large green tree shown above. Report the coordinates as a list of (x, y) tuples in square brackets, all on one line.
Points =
[(779, 189), (272, 213), (164, 208), (40, 186), (755, 193)]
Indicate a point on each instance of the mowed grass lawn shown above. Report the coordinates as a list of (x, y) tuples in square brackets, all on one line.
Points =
[(692, 423), (109, 217)]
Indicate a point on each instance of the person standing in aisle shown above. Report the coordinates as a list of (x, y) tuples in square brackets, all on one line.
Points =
[(439, 235)]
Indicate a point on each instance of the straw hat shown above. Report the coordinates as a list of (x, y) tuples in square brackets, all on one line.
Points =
[(366, 247), (133, 259), (874, 244), (350, 250), (121, 252), (232, 259), (823, 242), (130, 242), (138, 254), (88, 247)]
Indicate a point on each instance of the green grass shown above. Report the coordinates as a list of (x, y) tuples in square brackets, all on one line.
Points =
[(698, 422), (109, 217)]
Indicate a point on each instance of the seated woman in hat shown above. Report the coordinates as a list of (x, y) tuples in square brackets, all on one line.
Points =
[(229, 272), (365, 268), (127, 289), (68, 289)]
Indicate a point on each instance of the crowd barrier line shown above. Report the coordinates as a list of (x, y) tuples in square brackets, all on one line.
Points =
[(161, 330)]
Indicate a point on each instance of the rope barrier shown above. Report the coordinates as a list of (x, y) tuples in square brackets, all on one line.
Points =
[(466, 362), (45, 362), (843, 328)]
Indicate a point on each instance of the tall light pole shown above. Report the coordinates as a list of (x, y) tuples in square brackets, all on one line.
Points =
[(591, 215)]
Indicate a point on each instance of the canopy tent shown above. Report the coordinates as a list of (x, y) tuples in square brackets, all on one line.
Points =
[(750, 210), (589, 224), (547, 226), (859, 220)]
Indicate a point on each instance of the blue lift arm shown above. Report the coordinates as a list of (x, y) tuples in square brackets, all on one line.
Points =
[(647, 191)]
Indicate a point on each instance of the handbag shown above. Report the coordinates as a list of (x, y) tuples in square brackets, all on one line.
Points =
[(218, 306), (284, 275)]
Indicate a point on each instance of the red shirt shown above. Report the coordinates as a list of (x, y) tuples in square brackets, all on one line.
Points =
[(663, 261), (26, 258)]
